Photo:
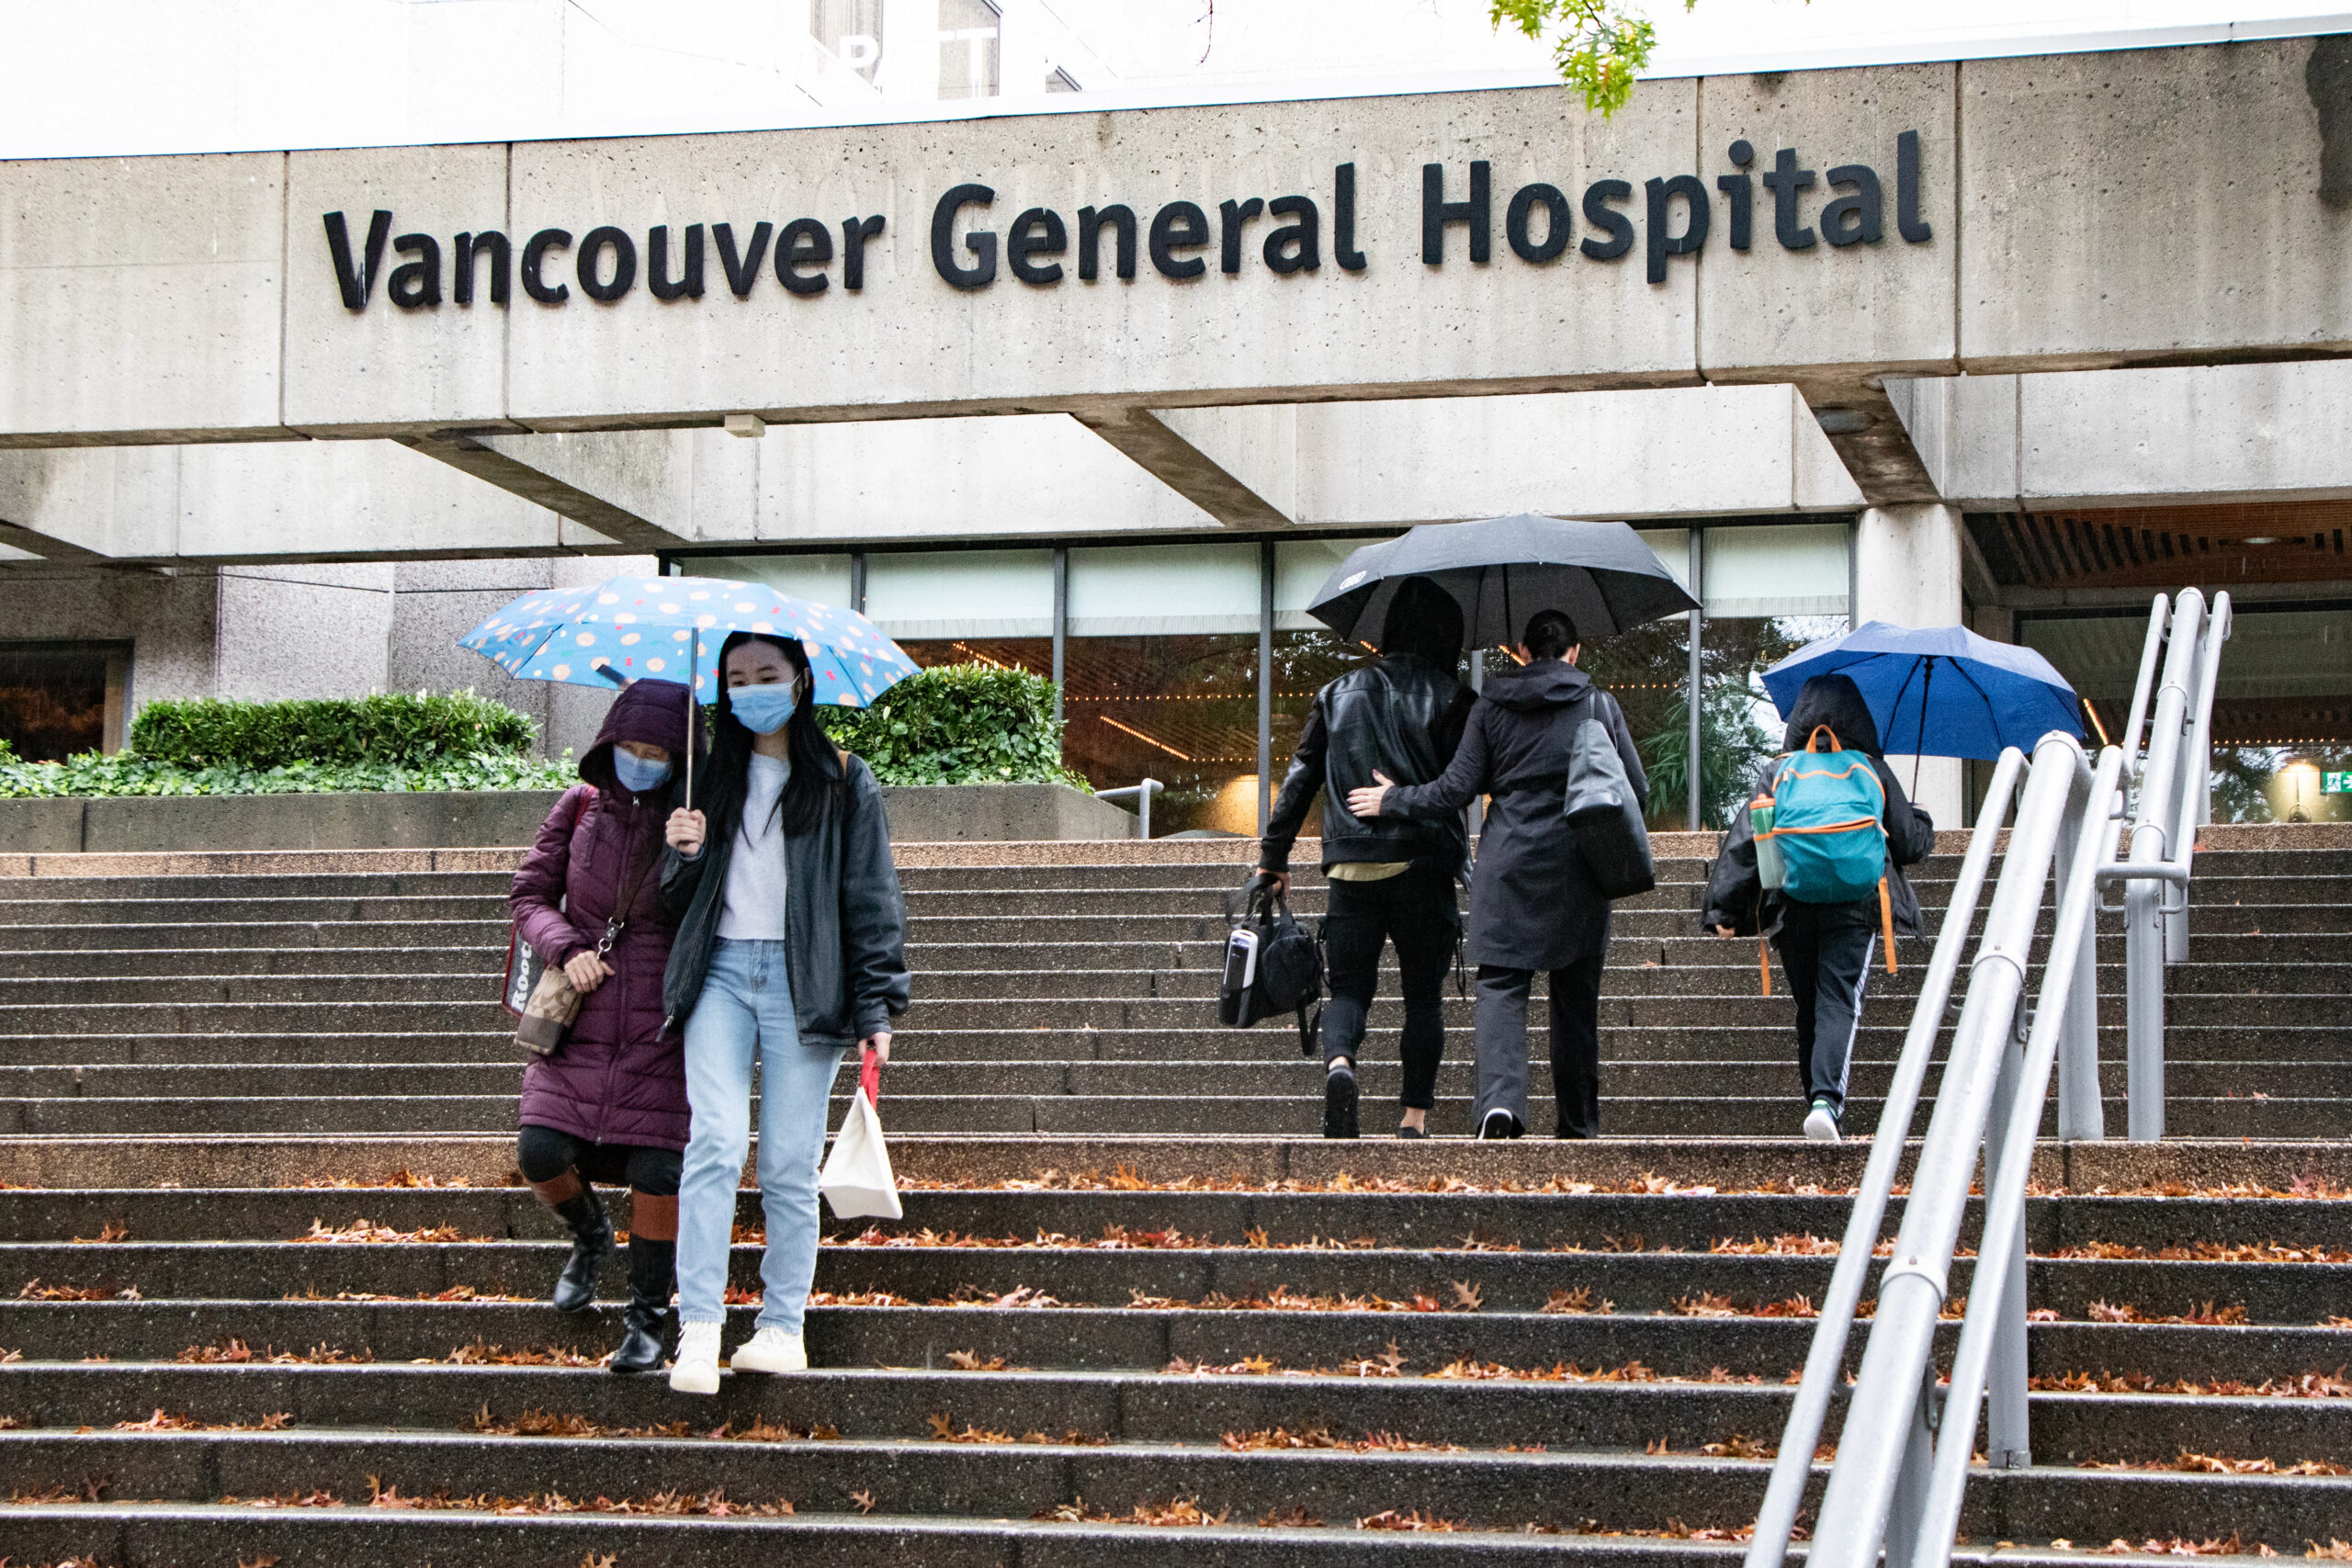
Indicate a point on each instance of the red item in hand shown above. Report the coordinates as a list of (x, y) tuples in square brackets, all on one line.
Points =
[(869, 1078)]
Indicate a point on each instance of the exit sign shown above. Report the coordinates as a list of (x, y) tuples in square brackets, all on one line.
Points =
[(2335, 784)]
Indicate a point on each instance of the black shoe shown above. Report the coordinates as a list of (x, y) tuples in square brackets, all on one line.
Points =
[(1340, 1103), (1405, 1132), (653, 1277), (1499, 1124), (591, 1243)]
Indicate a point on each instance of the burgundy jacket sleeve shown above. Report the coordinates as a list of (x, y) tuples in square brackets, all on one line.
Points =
[(540, 883)]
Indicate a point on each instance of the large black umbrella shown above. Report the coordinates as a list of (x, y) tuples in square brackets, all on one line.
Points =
[(1503, 570)]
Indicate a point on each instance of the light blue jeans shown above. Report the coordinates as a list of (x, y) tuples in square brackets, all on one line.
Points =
[(745, 1013)]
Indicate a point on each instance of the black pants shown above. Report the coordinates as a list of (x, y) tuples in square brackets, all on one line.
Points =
[(1825, 949), (544, 1154), (1575, 1044), (1415, 909)]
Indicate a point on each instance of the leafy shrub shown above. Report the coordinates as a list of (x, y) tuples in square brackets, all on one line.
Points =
[(93, 775), (958, 724), (8, 752), (394, 730)]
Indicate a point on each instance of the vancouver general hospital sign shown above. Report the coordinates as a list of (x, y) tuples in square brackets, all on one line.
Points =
[(974, 246)]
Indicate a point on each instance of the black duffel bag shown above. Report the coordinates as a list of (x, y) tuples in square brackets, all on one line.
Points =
[(1273, 964), (1605, 815)]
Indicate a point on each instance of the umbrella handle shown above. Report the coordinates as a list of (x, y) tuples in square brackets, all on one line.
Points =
[(693, 712)]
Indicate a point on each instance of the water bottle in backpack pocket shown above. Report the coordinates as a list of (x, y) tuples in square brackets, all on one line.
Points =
[(1827, 823)]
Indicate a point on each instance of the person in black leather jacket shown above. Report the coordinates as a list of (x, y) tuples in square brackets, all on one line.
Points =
[(1390, 881), (1825, 949)]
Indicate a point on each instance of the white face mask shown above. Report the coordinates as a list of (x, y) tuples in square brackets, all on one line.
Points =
[(636, 774), (763, 710)]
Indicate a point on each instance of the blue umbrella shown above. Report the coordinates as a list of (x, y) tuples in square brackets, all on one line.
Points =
[(668, 628), (1945, 690)]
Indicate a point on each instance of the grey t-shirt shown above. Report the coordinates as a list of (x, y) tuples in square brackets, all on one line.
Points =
[(755, 874)]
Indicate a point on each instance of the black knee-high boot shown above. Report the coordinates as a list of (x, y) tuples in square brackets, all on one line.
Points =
[(653, 1277), (591, 1243)]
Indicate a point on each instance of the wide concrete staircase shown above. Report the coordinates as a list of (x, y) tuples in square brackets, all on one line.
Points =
[(268, 1293)]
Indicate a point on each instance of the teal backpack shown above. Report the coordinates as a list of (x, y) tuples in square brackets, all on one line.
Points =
[(1828, 812)]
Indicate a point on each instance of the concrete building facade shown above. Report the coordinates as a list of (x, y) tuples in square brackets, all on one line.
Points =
[(1106, 392)]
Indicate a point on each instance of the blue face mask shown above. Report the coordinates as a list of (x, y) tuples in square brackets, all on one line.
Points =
[(763, 710), (637, 776)]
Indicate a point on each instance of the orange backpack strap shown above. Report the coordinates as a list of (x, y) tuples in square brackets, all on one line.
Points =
[(1819, 731), (1764, 964), (1886, 922)]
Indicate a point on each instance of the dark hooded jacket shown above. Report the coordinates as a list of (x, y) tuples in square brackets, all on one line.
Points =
[(619, 1077), (1403, 716), (1735, 895), (1534, 905)]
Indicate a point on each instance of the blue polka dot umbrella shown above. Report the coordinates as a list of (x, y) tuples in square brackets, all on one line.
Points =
[(671, 627)]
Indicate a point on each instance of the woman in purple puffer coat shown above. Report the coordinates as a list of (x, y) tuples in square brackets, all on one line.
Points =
[(610, 1104)]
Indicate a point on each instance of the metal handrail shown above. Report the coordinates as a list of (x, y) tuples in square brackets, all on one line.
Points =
[(1141, 795), (1825, 1363), (1897, 1483)]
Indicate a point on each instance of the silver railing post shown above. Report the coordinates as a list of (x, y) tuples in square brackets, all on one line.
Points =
[(2008, 1444), (1887, 1393), (2194, 793), (2081, 1109), (1993, 1304), (1824, 1364), (2151, 648), (1141, 795), (2145, 898)]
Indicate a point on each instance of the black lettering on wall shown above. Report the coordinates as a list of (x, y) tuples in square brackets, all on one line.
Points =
[(1179, 226), (855, 232), (743, 270), (1231, 217), (1343, 219), (534, 258), (1608, 220), (804, 242), (1662, 244), (1437, 212), (1908, 221), (1118, 218), (1853, 220), (982, 271), (416, 283), (357, 280), (590, 268), (1740, 191), (1297, 247), (489, 243), (1784, 179), (1036, 232), (1519, 225), (688, 285)]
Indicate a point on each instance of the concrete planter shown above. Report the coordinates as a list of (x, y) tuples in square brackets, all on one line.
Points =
[(486, 818)]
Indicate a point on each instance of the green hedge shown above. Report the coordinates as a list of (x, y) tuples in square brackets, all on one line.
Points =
[(958, 724), (395, 730), (91, 774)]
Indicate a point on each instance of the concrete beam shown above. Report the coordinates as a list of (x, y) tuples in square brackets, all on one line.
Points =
[(1175, 448), (2180, 437), (198, 297), (547, 472), (41, 547)]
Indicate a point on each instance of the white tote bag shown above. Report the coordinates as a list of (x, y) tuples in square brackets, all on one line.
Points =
[(857, 1180)]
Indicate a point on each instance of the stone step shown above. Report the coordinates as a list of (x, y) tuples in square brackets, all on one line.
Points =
[(1770, 1072), (2300, 1293), (1594, 1221), (1072, 1115)]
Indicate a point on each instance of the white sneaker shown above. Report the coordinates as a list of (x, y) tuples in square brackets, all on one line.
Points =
[(696, 1371), (771, 1350), (1821, 1123)]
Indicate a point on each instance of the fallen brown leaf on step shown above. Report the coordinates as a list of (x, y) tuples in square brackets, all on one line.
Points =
[(113, 1230), (864, 1501), (1294, 1518), (1390, 1520), (1466, 1295), (969, 1361)]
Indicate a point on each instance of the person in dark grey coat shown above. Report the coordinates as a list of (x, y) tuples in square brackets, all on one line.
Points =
[(1825, 949), (1533, 904)]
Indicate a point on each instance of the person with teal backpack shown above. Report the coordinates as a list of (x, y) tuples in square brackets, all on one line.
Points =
[(1815, 862)]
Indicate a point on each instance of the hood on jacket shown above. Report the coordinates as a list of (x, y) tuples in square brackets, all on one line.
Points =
[(652, 713), (1546, 684), (1835, 701), (1424, 620)]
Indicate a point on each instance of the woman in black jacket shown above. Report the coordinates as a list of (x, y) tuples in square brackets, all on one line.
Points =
[(1825, 949), (791, 944), (1533, 904)]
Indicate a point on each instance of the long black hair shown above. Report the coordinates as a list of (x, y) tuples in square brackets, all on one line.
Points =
[(817, 771)]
